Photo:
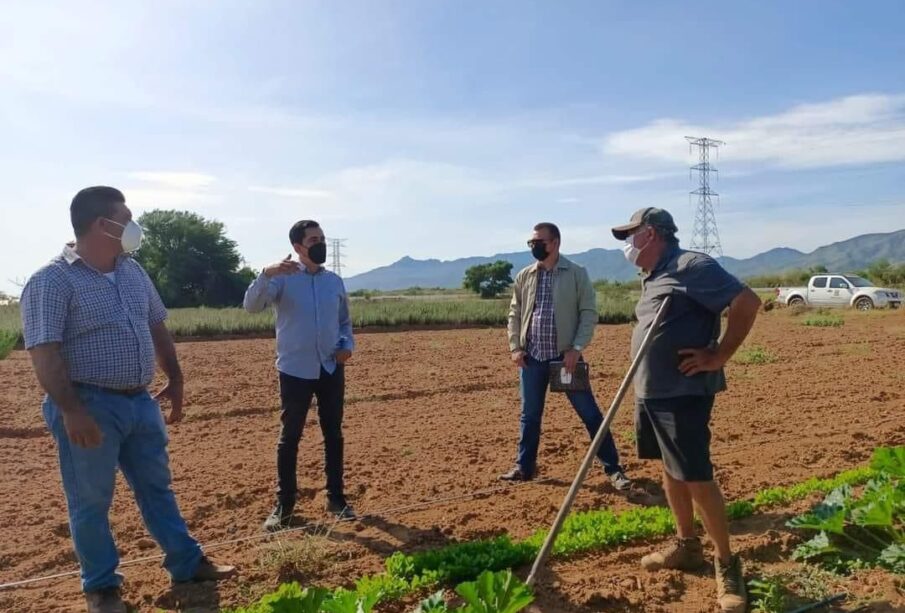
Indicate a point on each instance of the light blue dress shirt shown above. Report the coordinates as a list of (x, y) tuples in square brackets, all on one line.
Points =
[(313, 320)]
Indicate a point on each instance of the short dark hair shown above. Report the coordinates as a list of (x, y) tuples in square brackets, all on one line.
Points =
[(91, 203), (549, 227), (666, 234), (297, 233)]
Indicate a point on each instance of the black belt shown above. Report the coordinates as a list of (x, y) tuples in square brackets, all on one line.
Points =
[(135, 391)]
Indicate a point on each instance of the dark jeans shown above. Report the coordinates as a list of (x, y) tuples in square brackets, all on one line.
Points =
[(295, 396), (535, 378)]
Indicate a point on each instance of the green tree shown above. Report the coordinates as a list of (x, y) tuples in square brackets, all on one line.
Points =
[(191, 261), (488, 280)]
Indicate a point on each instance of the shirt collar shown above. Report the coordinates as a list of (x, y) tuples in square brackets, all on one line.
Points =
[(71, 255)]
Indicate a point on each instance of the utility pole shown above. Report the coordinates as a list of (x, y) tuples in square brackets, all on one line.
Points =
[(705, 237), (336, 251)]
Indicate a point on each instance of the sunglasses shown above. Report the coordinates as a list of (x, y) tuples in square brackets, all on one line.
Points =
[(537, 241)]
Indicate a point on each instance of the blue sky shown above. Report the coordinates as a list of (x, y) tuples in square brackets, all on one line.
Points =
[(447, 129)]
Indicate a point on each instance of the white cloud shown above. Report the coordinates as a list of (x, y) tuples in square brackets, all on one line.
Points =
[(860, 129), (169, 190)]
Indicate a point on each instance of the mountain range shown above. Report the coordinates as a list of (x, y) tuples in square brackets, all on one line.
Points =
[(852, 254)]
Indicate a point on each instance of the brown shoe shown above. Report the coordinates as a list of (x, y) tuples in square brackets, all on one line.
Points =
[(681, 554), (107, 600), (208, 571), (730, 586)]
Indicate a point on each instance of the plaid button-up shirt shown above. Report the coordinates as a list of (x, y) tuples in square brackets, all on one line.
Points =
[(103, 322), (542, 333)]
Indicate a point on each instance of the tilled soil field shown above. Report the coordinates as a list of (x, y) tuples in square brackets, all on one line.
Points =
[(432, 417)]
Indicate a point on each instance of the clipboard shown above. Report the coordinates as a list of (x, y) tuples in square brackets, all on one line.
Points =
[(578, 381)]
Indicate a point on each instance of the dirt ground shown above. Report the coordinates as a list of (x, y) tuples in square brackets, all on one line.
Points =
[(431, 417)]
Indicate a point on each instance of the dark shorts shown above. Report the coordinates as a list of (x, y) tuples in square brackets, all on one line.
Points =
[(677, 431)]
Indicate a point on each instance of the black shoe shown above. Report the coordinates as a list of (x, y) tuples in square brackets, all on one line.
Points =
[(517, 474), (619, 481), (106, 600), (278, 519), (338, 506)]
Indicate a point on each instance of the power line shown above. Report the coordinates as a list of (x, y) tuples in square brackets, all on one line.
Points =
[(705, 237)]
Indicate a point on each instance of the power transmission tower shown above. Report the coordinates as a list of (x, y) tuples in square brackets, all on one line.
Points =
[(336, 250), (705, 236)]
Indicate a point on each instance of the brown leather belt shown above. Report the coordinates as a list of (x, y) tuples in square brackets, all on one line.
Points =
[(135, 391)]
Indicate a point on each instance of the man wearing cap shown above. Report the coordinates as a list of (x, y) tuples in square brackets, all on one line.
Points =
[(552, 317), (677, 382)]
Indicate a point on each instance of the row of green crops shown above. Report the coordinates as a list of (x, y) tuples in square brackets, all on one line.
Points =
[(613, 308), (500, 592), (418, 572)]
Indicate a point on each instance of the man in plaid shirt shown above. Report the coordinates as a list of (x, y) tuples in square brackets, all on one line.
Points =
[(552, 317), (93, 322)]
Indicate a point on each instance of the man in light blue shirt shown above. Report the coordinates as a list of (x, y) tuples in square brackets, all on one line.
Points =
[(314, 340)]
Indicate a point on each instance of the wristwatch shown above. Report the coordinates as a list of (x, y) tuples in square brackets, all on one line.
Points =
[(578, 347)]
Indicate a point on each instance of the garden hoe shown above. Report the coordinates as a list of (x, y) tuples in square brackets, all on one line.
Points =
[(595, 445)]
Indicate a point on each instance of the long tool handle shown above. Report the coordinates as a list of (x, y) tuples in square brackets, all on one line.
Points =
[(595, 445)]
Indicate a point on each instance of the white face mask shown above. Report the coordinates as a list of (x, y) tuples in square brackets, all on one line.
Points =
[(132, 235), (631, 252)]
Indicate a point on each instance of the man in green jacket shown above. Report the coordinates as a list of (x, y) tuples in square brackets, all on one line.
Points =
[(552, 317)]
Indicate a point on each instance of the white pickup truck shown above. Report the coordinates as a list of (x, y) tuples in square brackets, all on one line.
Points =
[(834, 290)]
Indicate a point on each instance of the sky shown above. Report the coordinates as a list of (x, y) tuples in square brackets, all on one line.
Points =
[(445, 129)]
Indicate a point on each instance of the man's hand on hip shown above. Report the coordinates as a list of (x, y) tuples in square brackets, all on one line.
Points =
[(570, 360), (173, 392), (699, 360), (81, 428), (342, 356), (518, 358)]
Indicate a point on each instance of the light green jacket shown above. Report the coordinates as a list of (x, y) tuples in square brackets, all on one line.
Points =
[(574, 306)]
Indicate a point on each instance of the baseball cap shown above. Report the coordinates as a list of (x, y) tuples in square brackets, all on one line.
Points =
[(648, 216)]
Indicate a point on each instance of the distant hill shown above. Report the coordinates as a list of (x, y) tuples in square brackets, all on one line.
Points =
[(852, 254)]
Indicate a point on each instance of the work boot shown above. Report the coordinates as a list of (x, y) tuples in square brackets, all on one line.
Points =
[(107, 600), (517, 474), (730, 586), (208, 571), (620, 482), (681, 554), (338, 506), (279, 518)]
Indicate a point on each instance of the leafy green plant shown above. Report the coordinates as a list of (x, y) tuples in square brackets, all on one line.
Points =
[(754, 355), (495, 593), (860, 530), (346, 601), (768, 595), (290, 598), (8, 340), (435, 603), (824, 321)]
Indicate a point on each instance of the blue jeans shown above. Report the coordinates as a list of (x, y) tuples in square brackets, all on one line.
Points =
[(535, 378), (135, 439)]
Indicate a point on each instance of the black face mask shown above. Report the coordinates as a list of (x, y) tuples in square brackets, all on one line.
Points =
[(318, 253), (539, 251)]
